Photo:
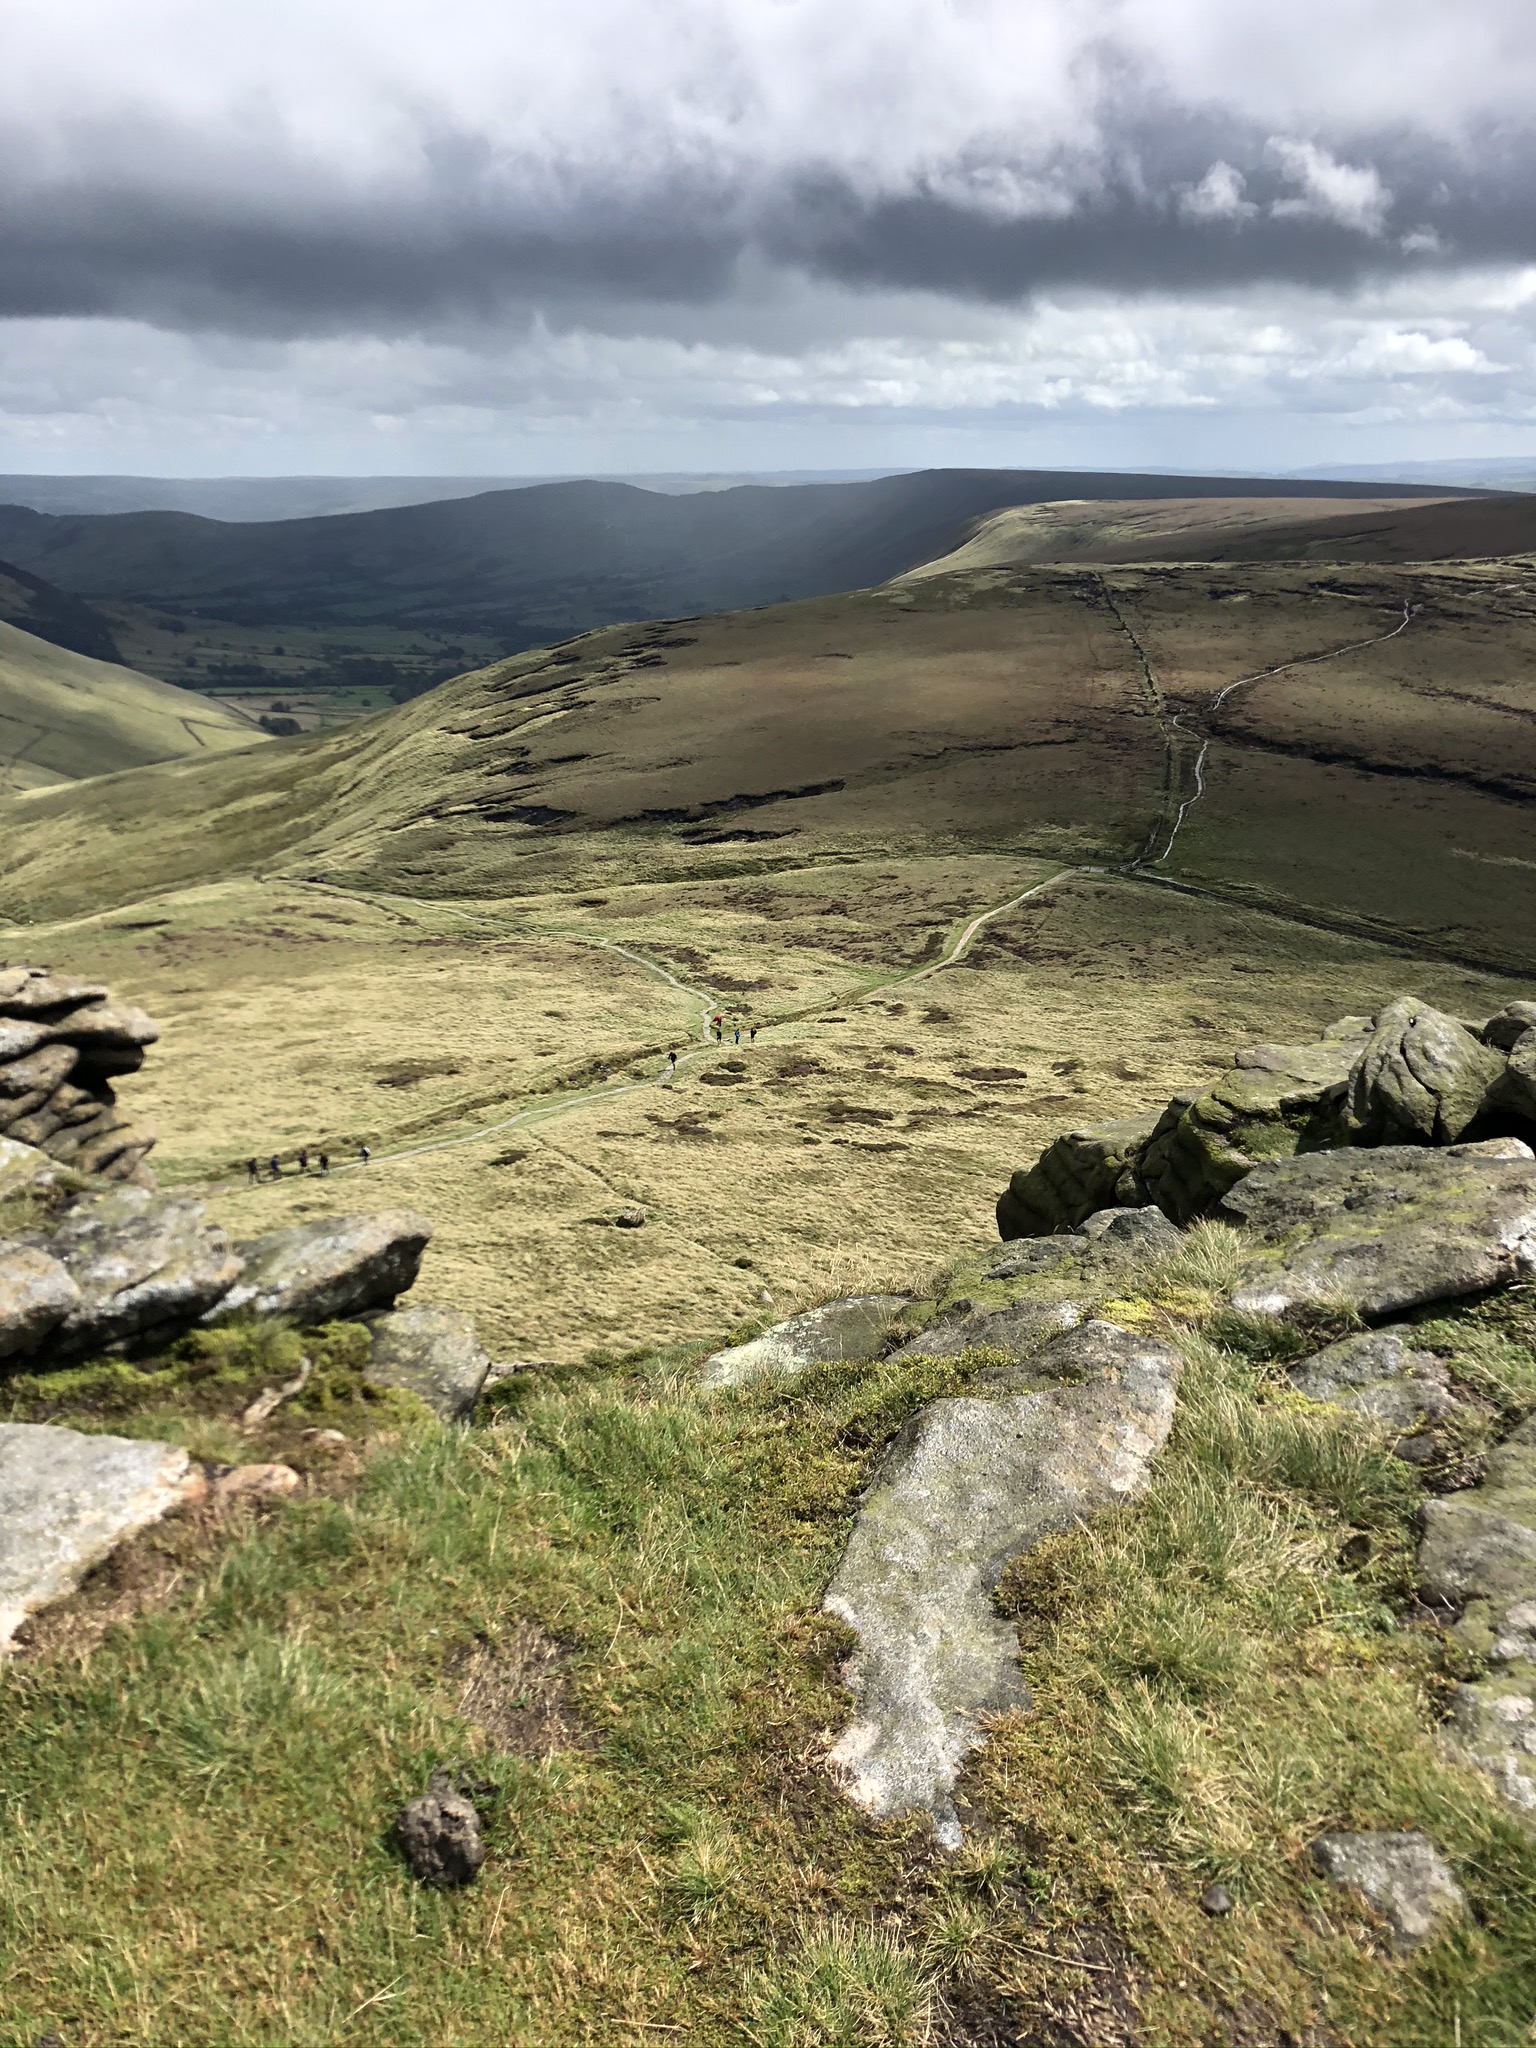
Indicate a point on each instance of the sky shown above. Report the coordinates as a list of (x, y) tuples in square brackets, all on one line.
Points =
[(508, 237)]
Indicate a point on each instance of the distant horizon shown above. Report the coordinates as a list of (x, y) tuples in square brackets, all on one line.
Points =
[(1337, 473)]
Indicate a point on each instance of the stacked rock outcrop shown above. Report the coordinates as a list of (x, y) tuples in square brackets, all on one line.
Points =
[(125, 1269), (1409, 1076), (63, 1043)]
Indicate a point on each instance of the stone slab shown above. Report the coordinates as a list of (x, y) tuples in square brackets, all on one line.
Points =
[(66, 1501), (1386, 1229), (432, 1353), (964, 1487), (852, 1328)]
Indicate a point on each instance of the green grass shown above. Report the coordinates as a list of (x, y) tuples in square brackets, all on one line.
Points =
[(64, 716), (195, 1843)]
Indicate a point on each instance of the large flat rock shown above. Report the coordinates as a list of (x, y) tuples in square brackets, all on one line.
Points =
[(432, 1353), (965, 1486), (1386, 1229), (66, 1501), (36, 1294), (144, 1264), (852, 1328), (341, 1266)]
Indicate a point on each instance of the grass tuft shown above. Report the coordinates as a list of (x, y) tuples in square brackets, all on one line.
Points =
[(841, 1986)]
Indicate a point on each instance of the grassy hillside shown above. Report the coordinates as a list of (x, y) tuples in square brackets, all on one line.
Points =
[(786, 811), (64, 716), (1244, 529), (535, 564)]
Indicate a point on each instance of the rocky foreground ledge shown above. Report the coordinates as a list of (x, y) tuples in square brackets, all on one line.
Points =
[(1369, 1181), (96, 1270)]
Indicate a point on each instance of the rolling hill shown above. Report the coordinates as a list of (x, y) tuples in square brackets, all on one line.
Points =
[(39, 607), (1029, 711), (65, 717), (538, 564), (1244, 529)]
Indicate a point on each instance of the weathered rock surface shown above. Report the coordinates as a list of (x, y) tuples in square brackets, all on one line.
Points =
[(1479, 1548), (1511, 1024), (1203, 1143), (1145, 1231), (1421, 1078), (1514, 1093), (21, 1166), (1109, 1237), (432, 1353), (144, 1263), (854, 1327), (1494, 1726), (61, 1041), (964, 1487), (1380, 1375), (66, 1501), (1323, 1064), (1403, 1876), (36, 1294), (1085, 1170), (1028, 1257), (341, 1266), (440, 1834), (1018, 1329), (1388, 1229)]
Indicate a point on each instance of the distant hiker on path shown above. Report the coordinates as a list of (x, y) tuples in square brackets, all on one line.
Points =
[(277, 1167), (671, 1066), (325, 1162), (303, 1159), (752, 1035), (252, 1171), (364, 1155)]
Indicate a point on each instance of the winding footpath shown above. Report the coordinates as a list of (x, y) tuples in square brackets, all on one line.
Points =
[(558, 1104), (1176, 724)]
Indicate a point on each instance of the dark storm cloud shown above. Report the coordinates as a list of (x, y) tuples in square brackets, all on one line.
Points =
[(1157, 196)]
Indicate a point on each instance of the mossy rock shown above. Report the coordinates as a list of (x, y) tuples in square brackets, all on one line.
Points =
[(1079, 1173)]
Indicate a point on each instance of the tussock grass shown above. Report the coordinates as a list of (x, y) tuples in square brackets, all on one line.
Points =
[(842, 1986)]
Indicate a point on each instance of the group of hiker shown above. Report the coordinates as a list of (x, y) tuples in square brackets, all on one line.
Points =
[(719, 1027), (304, 1160)]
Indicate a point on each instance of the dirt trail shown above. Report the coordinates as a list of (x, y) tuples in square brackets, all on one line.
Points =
[(1176, 723)]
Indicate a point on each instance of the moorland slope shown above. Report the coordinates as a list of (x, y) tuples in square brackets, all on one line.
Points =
[(471, 906), (65, 717), (1244, 529), (39, 607)]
